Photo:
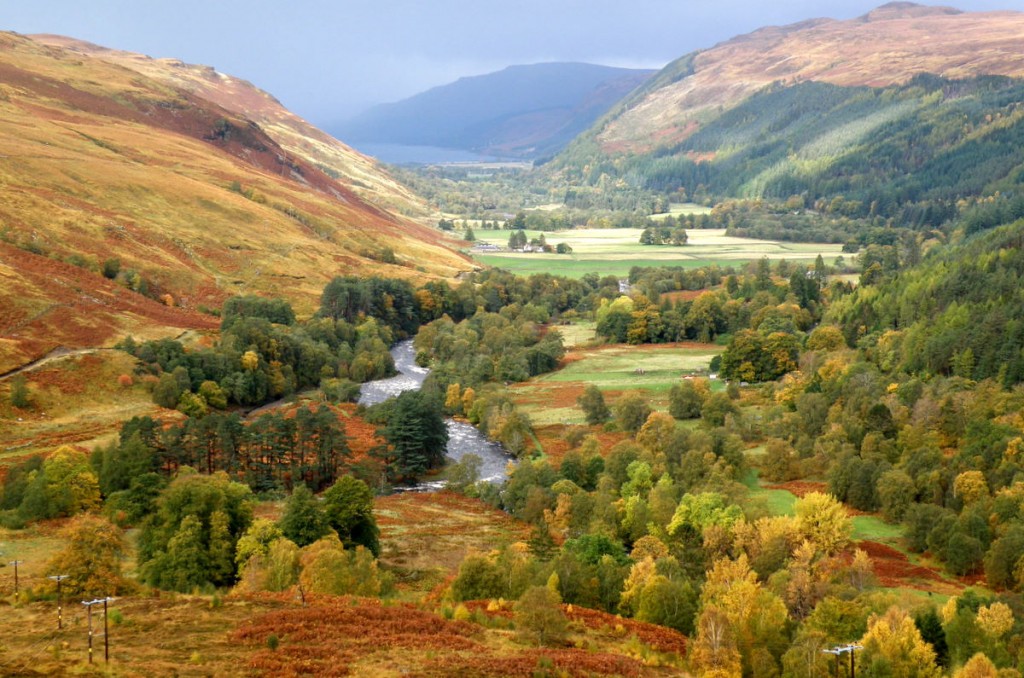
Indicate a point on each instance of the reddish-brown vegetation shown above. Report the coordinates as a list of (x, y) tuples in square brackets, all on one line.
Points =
[(527, 663), (331, 635), (800, 488), (354, 636), (894, 569), (656, 637)]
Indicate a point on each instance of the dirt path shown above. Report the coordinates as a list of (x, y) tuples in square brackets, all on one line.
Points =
[(64, 352), (56, 354)]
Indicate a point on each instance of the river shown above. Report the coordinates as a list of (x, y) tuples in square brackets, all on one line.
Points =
[(463, 438)]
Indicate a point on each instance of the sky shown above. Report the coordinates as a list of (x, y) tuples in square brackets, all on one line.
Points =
[(330, 59)]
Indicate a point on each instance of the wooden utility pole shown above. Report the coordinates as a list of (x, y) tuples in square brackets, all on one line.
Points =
[(841, 649), (106, 639), (60, 603), (16, 563)]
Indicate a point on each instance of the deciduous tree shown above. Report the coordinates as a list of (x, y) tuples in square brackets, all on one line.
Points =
[(91, 558), (893, 647), (539, 616)]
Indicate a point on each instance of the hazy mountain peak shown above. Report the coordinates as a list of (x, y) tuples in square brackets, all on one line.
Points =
[(907, 10), (519, 111)]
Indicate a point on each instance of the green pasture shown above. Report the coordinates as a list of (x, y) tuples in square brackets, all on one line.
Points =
[(686, 208), (612, 369), (615, 368), (875, 529), (578, 333), (778, 502), (614, 251)]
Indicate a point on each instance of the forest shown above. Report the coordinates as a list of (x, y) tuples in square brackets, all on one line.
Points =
[(896, 398)]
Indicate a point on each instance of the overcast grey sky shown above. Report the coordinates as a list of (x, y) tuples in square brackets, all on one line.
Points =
[(327, 60)]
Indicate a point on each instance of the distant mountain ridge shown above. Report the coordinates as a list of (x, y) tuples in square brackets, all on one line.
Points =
[(885, 47), (521, 111), (905, 105)]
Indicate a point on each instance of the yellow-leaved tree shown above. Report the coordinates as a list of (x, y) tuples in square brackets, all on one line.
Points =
[(91, 557), (978, 666), (737, 615), (893, 647), (995, 620), (822, 520)]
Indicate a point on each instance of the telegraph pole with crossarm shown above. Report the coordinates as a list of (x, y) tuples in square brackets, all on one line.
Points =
[(106, 638)]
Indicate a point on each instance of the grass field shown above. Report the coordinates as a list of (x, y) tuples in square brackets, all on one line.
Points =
[(615, 251), (579, 333), (677, 208), (551, 398)]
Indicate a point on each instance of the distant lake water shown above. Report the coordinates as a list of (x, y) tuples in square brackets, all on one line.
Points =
[(397, 154)]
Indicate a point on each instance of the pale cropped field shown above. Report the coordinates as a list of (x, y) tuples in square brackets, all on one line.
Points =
[(615, 251)]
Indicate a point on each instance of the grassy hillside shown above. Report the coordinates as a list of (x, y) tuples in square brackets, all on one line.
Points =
[(361, 174), (194, 202), (856, 52)]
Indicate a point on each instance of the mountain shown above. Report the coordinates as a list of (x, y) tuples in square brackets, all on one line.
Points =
[(521, 111), (904, 104), (180, 201), (885, 47), (358, 172)]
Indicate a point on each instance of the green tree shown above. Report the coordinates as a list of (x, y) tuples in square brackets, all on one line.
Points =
[(897, 491), (479, 577), (685, 400), (257, 540), (417, 433), (167, 392), (591, 401), (275, 569), (184, 566), (716, 407), (668, 602), (187, 541), (539, 617), (631, 410), (120, 464), (19, 395), (64, 486), (303, 520), (348, 507)]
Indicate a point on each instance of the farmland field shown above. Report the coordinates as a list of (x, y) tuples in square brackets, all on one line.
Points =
[(615, 251), (551, 398)]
